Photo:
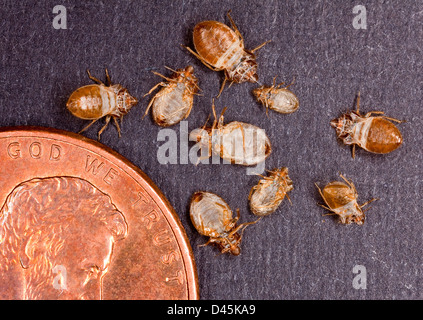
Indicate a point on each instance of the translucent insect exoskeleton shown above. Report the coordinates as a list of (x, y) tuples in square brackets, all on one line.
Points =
[(212, 217), (221, 48), (341, 199), (237, 142), (95, 101), (277, 98), (267, 195), (174, 101), (374, 134)]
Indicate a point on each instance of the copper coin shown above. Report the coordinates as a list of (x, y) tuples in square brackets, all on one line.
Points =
[(78, 221)]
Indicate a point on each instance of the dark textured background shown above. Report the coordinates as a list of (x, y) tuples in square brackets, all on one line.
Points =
[(295, 253)]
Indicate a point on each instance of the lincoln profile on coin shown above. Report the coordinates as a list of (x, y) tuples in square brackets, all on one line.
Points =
[(56, 239)]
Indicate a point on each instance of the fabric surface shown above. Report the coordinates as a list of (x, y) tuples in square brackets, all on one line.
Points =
[(296, 253)]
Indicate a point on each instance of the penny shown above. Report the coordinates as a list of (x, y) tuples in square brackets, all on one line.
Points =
[(79, 221)]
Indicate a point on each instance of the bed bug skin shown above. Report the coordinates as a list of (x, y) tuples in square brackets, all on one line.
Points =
[(267, 195), (175, 99), (237, 142), (99, 100), (341, 199), (212, 217), (276, 98), (221, 48), (374, 134)]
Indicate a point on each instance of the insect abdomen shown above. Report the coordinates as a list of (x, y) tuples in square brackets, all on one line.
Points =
[(210, 214), (241, 143), (263, 201), (283, 101), (216, 43), (383, 136), (337, 195), (172, 105), (91, 102)]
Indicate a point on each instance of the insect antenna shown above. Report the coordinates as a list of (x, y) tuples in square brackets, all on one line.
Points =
[(370, 201), (393, 119), (258, 82), (261, 46), (169, 68), (164, 77), (282, 83)]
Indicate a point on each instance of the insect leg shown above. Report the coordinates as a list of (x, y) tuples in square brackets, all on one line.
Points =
[(350, 183), (211, 240), (243, 138), (358, 103), (222, 87), (87, 126), (251, 192), (353, 151), (155, 87), (289, 199), (108, 81), (93, 78), (117, 126), (327, 208), (149, 106), (216, 122), (221, 118), (242, 227), (196, 85), (201, 59), (327, 214), (321, 194), (368, 114), (266, 102), (215, 117), (234, 26), (104, 127)]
